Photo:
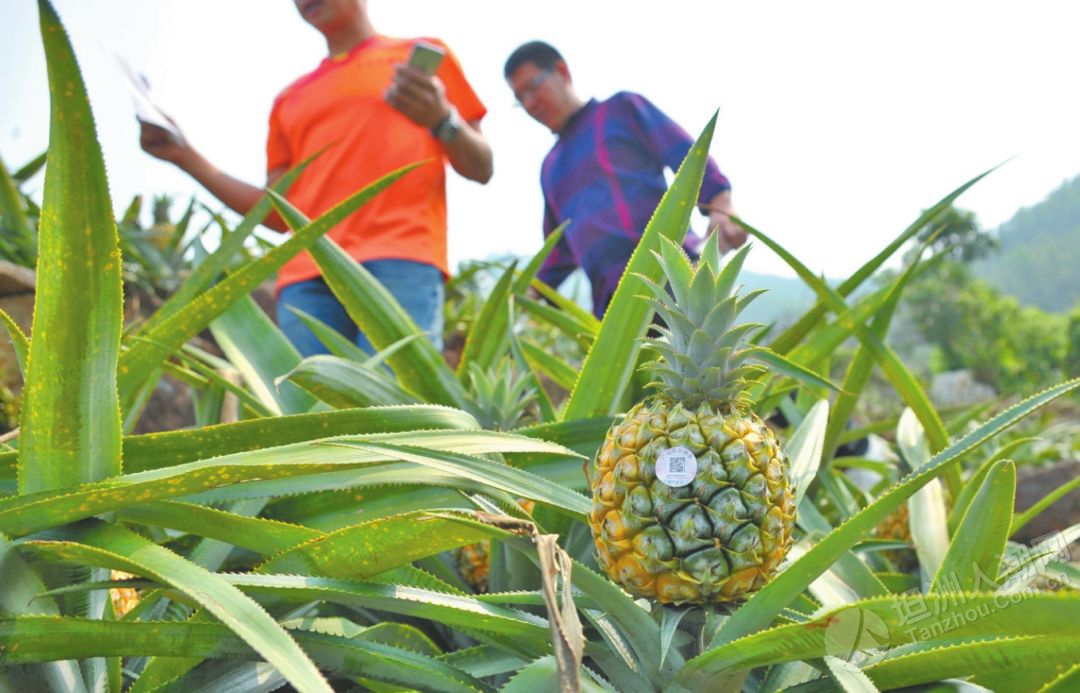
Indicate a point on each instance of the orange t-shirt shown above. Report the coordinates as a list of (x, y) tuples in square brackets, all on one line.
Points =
[(341, 104)]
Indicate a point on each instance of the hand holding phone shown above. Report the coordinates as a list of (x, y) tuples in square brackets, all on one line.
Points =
[(415, 90)]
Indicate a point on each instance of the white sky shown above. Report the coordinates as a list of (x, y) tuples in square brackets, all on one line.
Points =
[(839, 121)]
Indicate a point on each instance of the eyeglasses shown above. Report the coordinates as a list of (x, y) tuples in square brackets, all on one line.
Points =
[(530, 88)]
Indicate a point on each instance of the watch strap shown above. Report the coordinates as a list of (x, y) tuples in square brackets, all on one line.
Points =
[(448, 127)]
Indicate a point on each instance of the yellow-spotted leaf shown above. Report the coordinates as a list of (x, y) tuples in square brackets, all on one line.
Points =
[(202, 277), (366, 460), (71, 413), (107, 546)]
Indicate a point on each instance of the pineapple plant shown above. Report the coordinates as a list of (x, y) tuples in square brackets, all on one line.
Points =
[(693, 498), (500, 396), (499, 399)]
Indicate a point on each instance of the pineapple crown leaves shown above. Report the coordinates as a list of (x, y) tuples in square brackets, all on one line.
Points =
[(499, 396), (702, 357)]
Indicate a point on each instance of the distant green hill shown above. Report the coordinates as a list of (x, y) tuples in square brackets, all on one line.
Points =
[(786, 299), (1039, 260)]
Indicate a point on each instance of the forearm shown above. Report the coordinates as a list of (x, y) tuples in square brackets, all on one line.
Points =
[(421, 97), (470, 154), (236, 194)]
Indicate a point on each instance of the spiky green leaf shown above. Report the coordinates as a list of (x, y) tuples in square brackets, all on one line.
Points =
[(344, 384), (258, 349), (796, 333), (490, 334), (108, 546), (976, 549), (895, 621), (418, 365), (71, 413), (19, 342), (45, 638), (906, 384)]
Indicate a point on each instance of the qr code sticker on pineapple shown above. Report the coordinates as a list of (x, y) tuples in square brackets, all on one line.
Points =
[(676, 466)]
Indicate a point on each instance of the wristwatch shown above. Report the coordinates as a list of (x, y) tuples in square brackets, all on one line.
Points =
[(448, 127)]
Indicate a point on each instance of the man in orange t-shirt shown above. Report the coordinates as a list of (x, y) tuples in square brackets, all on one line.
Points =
[(372, 113)]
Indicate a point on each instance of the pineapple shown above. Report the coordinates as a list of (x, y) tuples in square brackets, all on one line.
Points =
[(123, 599), (474, 560), (897, 526), (693, 499), (474, 564)]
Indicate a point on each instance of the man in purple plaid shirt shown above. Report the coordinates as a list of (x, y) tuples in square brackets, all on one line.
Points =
[(605, 172)]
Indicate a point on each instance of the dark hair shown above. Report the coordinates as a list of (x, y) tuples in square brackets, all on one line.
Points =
[(541, 54)]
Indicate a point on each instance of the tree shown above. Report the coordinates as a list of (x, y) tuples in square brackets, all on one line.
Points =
[(957, 235), (1072, 358), (973, 325)]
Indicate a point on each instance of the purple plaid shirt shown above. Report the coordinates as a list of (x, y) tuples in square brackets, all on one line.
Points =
[(606, 174)]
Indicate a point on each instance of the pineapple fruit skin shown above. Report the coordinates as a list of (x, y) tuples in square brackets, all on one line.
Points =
[(718, 539)]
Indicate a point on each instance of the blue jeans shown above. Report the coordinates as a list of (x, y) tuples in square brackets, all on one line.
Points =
[(418, 287)]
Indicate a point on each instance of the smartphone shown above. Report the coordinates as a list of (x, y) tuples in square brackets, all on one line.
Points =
[(426, 57)]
